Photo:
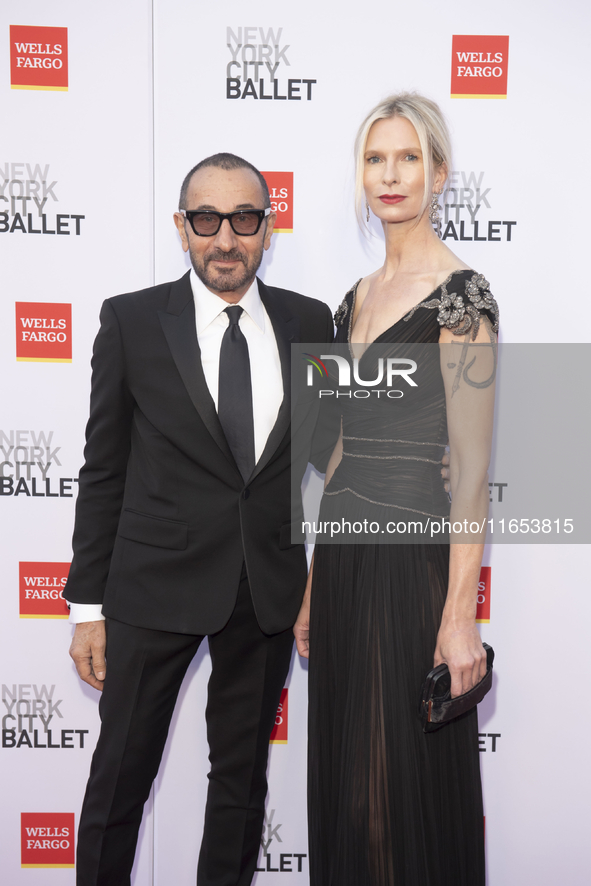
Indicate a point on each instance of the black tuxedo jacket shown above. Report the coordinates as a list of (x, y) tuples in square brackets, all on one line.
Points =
[(164, 520)]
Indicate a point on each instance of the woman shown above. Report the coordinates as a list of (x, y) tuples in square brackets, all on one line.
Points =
[(388, 804)]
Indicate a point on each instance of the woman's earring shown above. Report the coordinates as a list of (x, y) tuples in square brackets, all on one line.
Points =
[(366, 211), (434, 214)]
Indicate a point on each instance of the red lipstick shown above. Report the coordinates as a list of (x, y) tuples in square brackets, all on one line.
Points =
[(391, 199)]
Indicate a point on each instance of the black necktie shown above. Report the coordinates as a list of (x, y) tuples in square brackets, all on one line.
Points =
[(235, 394)]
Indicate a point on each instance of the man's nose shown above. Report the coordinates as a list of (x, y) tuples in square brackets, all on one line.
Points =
[(225, 238)]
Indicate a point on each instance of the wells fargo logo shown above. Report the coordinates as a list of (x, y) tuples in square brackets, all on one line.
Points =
[(43, 332), (483, 604), (479, 67), (47, 839), (40, 589), (280, 186), (38, 58), (279, 733)]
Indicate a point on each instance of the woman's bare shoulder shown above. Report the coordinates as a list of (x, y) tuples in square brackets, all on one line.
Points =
[(450, 261), (363, 288)]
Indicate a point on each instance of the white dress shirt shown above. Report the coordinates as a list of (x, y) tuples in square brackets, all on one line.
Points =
[(265, 373), (265, 365)]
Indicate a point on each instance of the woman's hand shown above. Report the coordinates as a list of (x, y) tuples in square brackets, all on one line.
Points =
[(301, 628), (460, 647)]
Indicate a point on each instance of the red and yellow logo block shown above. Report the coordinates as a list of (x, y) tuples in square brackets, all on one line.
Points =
[(280, 186), (47, 839), (483, 604), (479, 66), (279, 733), (43, 332), (38, 58), (40, 589)]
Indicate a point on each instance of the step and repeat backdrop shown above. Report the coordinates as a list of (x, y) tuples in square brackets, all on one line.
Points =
[(104, 109)]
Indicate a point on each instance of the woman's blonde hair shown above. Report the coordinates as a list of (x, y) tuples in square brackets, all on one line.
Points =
[(431, 128)]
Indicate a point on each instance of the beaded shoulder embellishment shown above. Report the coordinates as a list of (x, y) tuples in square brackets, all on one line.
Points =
[(460, 314), (341, 312), (343, 309)]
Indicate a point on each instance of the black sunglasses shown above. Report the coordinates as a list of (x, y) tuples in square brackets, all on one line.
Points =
[(207, 222)]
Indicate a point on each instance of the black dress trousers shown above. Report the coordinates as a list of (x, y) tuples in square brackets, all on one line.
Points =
[(145, 669)]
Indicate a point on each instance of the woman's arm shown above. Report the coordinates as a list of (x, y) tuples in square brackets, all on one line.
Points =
[(468, 370), (301, 629), (335, 458)]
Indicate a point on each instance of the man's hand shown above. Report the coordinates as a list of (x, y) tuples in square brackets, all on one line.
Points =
[(88, 652), (445, 470)]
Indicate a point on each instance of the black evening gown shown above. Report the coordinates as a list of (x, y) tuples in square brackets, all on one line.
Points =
[(389, 805)]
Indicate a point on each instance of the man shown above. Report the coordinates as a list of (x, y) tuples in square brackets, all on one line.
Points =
[(183, 525)]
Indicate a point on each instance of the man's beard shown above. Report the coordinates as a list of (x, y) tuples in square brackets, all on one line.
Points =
[(226, 279)]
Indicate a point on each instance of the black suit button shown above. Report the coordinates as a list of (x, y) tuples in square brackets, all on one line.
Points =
[(246, 493)]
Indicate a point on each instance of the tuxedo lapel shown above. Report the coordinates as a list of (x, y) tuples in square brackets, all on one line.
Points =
[(287, 331), (178, 325)]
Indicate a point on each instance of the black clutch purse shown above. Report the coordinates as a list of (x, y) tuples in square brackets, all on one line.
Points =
[(438, 707)]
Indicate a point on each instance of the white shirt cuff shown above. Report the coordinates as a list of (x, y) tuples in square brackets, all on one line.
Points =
[(80, 612)]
